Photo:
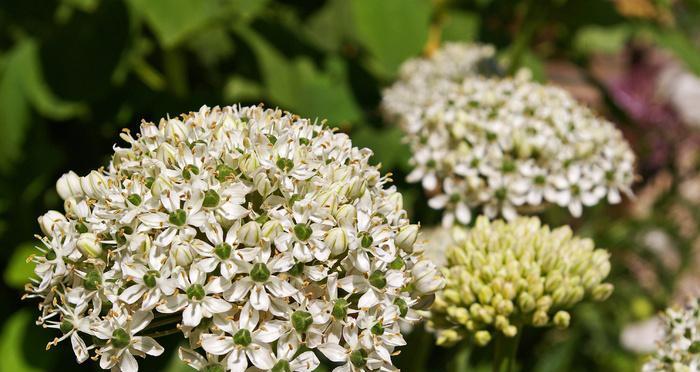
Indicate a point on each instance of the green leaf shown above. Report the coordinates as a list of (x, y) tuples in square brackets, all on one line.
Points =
[(239, 89), (299, 86), (460, 26), (391, 30), (600, 39), (387, 144), (330, 26), (21, 346), (681, 45), (18, 269), (21, 87), (173, 20)]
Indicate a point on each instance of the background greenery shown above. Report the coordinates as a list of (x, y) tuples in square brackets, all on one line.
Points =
[(74, 72)]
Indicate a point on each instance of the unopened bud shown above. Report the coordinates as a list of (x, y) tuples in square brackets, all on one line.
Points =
[(167, 153), (51, 220), (346, 215), (271, 229), (94, 185), (407, 237), (182, 254), (262, 184), (337, 241), (482, 338), (562, 319), (89, 245), (602, 291), (249, 234), (540, 318), (69, 186)]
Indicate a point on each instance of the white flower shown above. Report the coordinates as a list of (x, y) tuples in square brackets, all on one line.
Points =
[(679, 347), (196, 299), (504, 145), (232, 227), (122, 343)]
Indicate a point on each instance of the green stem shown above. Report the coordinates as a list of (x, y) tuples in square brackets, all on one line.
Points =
[(163, 321), (505, 351), (531, 21), (167, 332)]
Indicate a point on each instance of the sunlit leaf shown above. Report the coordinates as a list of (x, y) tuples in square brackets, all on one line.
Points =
[(18, 269), (13, 341), (173, 20), (298, 85), (599, 39), (391, 30), (460, 26)]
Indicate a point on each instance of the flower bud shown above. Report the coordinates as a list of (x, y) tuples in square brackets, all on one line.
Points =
[(174, 129), (249, 234), (160, 185), (526, 302), (448, 337), (89, 245), (482, 338), (94, 185), (167, 153), (337, 241), (69, 186), (510, 331), (407, 237), (262, 184), (271, 229), (562, 319), (540, 318), (602, 291), (182, 254), (51, 220), (346, 215), (249, 164)]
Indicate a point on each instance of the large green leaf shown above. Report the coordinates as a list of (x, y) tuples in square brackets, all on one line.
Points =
[(18, 269), (173, 20), (601, 39), (391, 30), (21, 87), (21, 346), (681, 45), (330, 26), (299, 86), (460, 26)]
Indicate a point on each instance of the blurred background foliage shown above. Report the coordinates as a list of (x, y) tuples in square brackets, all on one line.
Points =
[(73, 73)]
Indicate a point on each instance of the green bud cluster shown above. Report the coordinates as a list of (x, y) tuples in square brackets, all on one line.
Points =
[(502, 276)]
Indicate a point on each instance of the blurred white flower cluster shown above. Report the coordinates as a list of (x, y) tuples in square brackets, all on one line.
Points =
[(504, 145), (261, 237), (679, 348), (502, 276)]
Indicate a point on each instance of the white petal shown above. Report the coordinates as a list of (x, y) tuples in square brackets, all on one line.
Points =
[(334, 352), (217, 345), (259, 298), (79, 348), (215, 305), (147, 345), (132, 294), (128, 363), (140, 320), (192, 315), (280, 288), (260, 356)]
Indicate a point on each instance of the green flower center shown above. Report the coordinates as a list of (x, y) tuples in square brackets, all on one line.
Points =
[(195, 292), (149, 278), (358, 358), (189, 171), (366, 239), (297, 269), (396, 264), (340, 309), (402, 305), (377, 279), (120, 338), (134, 199), (93, 279), (50, 255), (378, 329), (223, 250), (211, 199), (285, 164), (301, 320), (223, 172), (178, 218), (242, 337), (66, 326), (260, 273), (302, 231)]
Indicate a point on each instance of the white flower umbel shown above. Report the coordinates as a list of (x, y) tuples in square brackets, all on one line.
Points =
[(260, 236), (503, 145), (679, 348)]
